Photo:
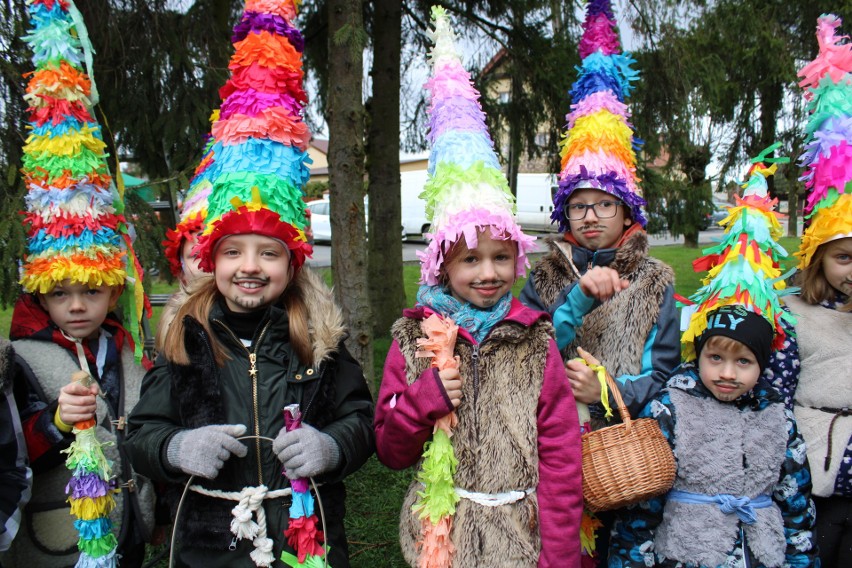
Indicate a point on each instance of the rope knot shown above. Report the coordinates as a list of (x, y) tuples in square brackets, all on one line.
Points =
[(262, 553), (742, 506), (243, 524)]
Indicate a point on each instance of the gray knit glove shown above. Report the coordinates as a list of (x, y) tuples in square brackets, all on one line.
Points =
[(306, 452), (203, 451)]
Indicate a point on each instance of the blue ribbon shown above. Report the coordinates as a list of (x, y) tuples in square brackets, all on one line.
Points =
[(743, 507)]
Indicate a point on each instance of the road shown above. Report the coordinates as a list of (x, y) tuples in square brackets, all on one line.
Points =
[(322, 253)]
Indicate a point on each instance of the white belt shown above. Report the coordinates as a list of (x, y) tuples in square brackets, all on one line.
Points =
[(493, 499)]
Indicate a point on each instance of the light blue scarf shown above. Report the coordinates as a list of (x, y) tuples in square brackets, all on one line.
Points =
[(477, 321)]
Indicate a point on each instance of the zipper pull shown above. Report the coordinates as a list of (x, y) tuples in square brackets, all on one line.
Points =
[(233, 546), (253, 367)]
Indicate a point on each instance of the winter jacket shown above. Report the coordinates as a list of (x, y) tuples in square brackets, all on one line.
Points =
[(635, 334), (44, 363), (16, 477), (333, 397), (744, 448), (517, 430), (815, 377)]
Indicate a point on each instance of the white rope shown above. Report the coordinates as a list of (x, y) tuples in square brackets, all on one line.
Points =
[(250, 503), (493, 499)]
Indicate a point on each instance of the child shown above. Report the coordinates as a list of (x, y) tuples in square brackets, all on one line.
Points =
[(16, 477), (741, 496), (260, 335), (79, 267), (815, 374), (517, 436)]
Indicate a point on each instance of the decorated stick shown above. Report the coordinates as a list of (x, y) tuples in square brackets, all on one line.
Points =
[(303, 534), (91, 492), (436, 504)]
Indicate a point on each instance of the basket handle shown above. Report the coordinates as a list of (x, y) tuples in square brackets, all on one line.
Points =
[(619, 402)]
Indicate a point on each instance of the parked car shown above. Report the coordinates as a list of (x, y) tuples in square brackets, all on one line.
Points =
[(720, 211), (320, 217)]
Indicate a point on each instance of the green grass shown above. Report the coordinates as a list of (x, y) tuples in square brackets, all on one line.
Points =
[(375, 492)]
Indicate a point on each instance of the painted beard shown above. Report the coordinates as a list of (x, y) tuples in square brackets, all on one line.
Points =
[(251, 302)]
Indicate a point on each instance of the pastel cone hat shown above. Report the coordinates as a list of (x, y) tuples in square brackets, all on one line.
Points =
[(827, 159), (74, 213), (193, 209), (259, 155), (466, 190), (598, 147), (745, 267)]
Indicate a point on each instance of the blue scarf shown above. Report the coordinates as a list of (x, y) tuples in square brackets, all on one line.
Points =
[(477, 321)]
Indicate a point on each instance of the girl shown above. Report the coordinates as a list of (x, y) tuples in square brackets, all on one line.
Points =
[(517, 421), (262, 334)]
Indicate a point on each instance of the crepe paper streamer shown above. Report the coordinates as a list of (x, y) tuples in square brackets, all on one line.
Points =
[(589, 524), (75, 225), (436, 503), (466, 190), (600, 374), (827, 157), (91, 491), (598, 149), (302, 533), (257, 158), (745, 268)]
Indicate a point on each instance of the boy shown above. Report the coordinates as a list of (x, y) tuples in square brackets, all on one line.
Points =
[(742, 492), (46, 331)]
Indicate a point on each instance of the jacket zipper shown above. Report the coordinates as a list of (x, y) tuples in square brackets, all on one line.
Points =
[(474, 356), (252, 355)]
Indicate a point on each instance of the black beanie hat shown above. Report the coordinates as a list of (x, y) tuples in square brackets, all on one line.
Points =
[(736, 322)]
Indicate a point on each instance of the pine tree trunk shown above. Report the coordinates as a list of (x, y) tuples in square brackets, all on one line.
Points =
[(387, 293), (346, 176)]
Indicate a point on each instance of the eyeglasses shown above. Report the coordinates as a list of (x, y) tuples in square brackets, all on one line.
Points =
[(605, 209)]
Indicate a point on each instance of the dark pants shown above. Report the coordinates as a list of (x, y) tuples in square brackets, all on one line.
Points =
[(834, 531)]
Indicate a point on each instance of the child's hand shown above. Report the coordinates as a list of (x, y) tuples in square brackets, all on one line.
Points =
[(602, 282), (451, 380), (584, 382), (77, 403)]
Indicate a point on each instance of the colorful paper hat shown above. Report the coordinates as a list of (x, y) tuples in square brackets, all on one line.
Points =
[(466, 190), (827, 158), (598, 147), (75, 214), (260, 144), (193, 209), (744, 269)]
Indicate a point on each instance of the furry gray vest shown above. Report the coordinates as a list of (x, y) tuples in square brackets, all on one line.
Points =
[(723, 450)]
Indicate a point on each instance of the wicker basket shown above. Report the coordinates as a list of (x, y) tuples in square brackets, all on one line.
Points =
[(625, 463)]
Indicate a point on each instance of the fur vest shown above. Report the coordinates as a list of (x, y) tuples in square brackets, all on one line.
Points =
[(711, 461), (825, 386), (495, 443), (614, 331), (48, 537)]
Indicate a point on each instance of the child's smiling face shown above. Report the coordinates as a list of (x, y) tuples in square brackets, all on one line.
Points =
[(251, 271), (483, 275), (79, 309)]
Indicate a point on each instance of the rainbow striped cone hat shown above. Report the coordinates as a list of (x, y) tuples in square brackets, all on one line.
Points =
[(466, 190), (745, 267), (598, 147), (259, 155), (827, 158), (193, 209), (74, 212)]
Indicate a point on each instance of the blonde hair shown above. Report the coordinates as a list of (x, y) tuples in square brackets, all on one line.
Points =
[(724, 343), (458, 248), (204, 294), (815, 287)]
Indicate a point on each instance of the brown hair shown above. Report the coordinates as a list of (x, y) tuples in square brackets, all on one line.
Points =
[(200, 302), (814, 285), (724, 343)]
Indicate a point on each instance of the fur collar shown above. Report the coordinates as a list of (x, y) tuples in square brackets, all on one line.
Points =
[(631, 251), (325, 318)]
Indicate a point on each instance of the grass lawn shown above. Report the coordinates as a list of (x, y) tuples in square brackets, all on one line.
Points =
[(375, 493)]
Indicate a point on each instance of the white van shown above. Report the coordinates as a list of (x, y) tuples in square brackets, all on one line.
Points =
[(535, 201), (414, 222)]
